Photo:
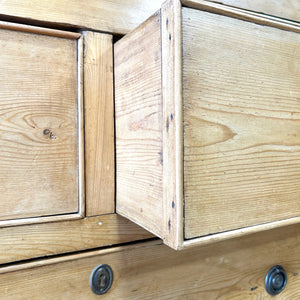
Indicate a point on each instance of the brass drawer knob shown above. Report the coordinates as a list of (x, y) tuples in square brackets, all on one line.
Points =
[(101, 279), (275, 280)]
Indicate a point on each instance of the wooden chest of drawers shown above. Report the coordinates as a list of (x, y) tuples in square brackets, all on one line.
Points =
[(222, 163)]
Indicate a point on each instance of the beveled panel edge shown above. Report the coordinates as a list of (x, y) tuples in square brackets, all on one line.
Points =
[(80, 129), (42, 219), (39, 30), (242, 14), (240, 232)]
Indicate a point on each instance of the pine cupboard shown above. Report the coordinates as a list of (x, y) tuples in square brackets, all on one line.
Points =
[(207, 124), (64, 93)]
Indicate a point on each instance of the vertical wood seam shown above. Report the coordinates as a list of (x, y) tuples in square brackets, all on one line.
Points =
[(172, 123)]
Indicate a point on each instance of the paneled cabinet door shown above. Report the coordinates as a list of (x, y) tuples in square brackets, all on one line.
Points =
[(40, 125), (207, 125)]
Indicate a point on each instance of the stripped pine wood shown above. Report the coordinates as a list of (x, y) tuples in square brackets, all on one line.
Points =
[(138, 114), (99, 124), (172, 123), (285, 9), (242, 14), (240, 144), (118, 16), (39, 133), (234, 269), (241, 120), (39, 30), (39, 240)]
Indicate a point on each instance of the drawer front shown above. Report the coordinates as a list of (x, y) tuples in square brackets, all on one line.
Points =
[(241, 123), (39, 123), (234, 269)]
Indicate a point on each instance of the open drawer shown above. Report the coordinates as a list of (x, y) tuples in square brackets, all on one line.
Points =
[(207, 124)]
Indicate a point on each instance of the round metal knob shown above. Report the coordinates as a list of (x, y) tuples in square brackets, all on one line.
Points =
[(101, 279), (275, 280)]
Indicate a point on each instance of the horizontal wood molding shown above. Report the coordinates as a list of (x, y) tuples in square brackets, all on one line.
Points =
[(286, 9), (37, 240), (120, 16), (39, 30), (242, 14)]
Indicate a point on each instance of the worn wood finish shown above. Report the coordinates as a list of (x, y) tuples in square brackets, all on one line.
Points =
[(242, 14), (119, 16), (39, 30), (286, 9), (229, 270), (241, 143), (241, 120), (99, 124), (172, 123), (38, 240), (138, 118), (38, 125)]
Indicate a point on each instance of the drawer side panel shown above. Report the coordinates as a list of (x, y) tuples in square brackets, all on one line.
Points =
[(138, 109)]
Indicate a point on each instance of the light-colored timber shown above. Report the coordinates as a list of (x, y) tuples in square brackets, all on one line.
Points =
[(39, 119), (172, 123), (285, 9), (32, 237), (235, 150), (99, 124), (118, 16), (139, 179), (39, 240), (39, 30), (233, 269), (242, 14), (121, 16), (241, 123)]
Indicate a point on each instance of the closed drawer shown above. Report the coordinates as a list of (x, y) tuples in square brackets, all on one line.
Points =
[(207, 126), (233, 269), (40, 134)]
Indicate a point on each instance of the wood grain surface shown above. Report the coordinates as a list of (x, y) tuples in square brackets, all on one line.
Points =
[(99, 124), (39, 30), (138, 111), (118, 16), (38, 125), (38, 240), (285, 9), (241, 123), (242, 14), (172, 120), (234, 269)]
